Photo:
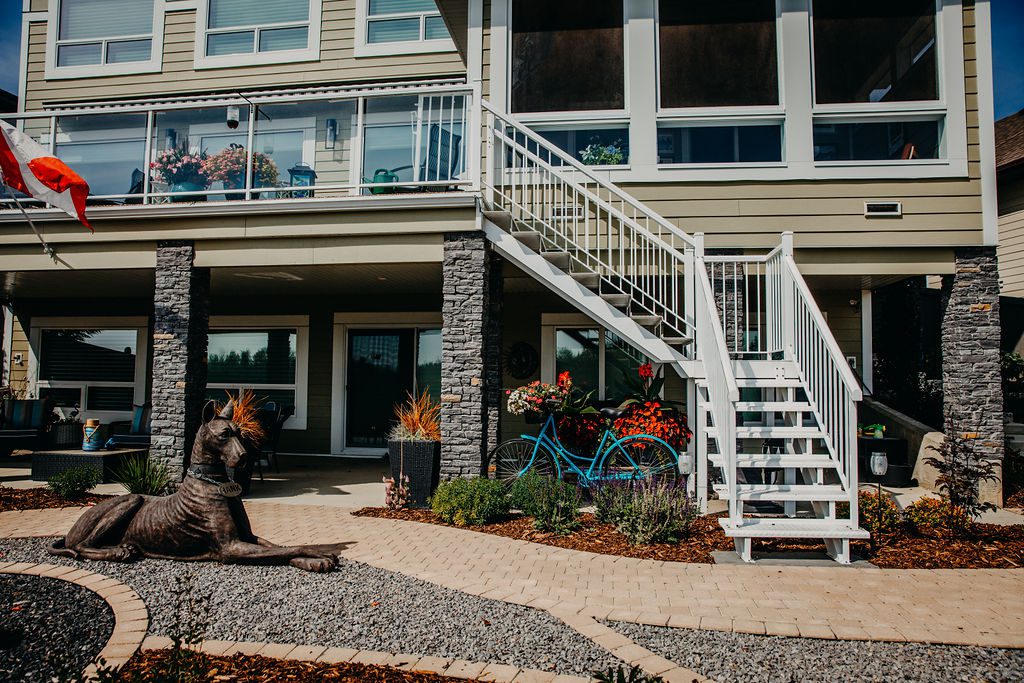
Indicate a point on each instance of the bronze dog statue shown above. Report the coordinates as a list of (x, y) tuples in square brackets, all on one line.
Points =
[(203, 520)]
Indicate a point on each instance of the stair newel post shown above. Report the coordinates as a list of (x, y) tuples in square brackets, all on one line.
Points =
[(788, 298)]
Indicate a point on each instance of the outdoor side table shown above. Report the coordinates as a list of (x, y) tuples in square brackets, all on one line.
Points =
[(45, 464)]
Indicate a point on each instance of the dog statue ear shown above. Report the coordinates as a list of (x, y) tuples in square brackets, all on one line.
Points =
[(229, 410), (209, 411)]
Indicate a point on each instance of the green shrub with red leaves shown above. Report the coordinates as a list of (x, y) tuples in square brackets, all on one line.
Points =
[(877, 520)]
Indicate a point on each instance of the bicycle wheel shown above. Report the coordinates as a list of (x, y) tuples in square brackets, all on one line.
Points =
[(514, 458), (640, 457)]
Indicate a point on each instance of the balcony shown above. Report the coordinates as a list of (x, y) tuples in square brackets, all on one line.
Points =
[(274, 148)]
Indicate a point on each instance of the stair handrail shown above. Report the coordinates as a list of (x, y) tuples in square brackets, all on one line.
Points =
[(832, 388), (721, 386), (579, 167), (659, 297)]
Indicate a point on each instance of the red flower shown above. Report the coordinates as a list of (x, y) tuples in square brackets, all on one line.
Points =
[(563, 378), (646, 371)]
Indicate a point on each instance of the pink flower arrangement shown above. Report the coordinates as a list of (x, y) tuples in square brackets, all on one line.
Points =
[(228, 167), (180, 165), (535, 396)]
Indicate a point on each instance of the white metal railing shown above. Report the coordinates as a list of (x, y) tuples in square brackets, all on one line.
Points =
[(601, 227), (295, 144), (721, 383), (831, 387), (748, 293)]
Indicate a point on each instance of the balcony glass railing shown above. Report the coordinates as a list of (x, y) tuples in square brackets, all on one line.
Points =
[(319, 143)]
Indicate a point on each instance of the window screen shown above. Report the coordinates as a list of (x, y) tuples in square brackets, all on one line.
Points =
[(874, 51), (567, 56), (877, 141), (717, 53), (88, 32)]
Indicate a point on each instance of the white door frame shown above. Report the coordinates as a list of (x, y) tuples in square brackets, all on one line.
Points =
[(343, 322)]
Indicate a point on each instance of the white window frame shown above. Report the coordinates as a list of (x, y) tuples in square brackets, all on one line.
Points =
[(141, 327), (343, 322), (550, 324), (310, 53), (796, 109), (364, 48), (299, 323), (153, 65)]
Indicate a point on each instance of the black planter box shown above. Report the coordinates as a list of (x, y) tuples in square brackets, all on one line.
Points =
[(421, 462)]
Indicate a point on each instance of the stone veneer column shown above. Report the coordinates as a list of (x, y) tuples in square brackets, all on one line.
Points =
[(180, 327), (464, 312), (971, 377)]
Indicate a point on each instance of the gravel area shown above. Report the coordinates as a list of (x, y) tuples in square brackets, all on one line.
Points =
[(728, 657), (357, 606), (49, 628)]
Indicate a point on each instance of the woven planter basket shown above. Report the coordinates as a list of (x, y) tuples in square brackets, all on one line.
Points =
[(421, 462)]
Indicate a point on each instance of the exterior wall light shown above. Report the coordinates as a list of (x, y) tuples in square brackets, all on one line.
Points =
[(332, 132)]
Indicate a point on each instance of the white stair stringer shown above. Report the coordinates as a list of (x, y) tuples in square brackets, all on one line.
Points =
[(587, 301)]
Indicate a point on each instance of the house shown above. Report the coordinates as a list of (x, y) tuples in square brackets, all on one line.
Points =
[(465, 196)]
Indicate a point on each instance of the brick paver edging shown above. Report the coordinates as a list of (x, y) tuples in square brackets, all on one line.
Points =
[(455, 668), (131, 619)]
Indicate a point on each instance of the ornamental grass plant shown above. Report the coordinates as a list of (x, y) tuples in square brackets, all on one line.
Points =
[(418, 419)]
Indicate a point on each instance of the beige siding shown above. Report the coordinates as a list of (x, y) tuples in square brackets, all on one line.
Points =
[(1011, 254), (844, 320), (19, 345), (337, 64)]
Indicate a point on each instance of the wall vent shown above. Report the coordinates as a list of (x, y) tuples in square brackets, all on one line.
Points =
[(882, 209)]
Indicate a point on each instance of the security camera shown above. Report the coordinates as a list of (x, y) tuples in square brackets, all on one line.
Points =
[(233, 115)]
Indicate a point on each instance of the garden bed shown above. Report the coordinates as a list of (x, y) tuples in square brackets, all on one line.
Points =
[(256, 669), (991, 547), (41, 498)]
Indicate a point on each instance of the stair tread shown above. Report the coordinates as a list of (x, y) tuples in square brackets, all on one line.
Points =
[(768, 382), (772, 406), (786, 527), (780, 492), (778, 432), (776, 460), (677, 341)]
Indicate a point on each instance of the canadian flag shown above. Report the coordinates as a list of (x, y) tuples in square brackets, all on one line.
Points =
[(31, 169)]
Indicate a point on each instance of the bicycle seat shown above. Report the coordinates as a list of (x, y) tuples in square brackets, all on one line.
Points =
[(612, 413)]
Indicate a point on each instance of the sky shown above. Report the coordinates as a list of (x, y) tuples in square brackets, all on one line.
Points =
[(1007, 32)]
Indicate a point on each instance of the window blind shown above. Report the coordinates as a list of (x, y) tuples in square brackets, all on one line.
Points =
[(88, 355), (85, 19), (400, 6), (228, 13)]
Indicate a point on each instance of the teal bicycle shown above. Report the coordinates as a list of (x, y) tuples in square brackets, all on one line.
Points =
[(637, 456)]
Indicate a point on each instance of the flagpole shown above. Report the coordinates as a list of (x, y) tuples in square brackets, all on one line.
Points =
[(47, 249)]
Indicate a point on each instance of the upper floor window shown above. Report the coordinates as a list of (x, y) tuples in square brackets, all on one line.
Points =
[(387, 27), (567, 56), (242, 32), (874, 51), (715, 53), (102, 37)]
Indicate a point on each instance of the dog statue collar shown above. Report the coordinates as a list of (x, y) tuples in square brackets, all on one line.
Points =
[(228, 489)]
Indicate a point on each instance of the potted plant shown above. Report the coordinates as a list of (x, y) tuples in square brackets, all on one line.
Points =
[(181, 168), (649, 413), (66, 429), (414, 448), (228, 167), (596, 154)]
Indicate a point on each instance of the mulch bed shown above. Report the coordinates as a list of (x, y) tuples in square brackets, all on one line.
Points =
[(40, 498), (146, 664), (1016, 500), (990, 547)]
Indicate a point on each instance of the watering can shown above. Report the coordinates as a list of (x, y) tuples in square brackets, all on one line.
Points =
[(91, 436), (382, 175)]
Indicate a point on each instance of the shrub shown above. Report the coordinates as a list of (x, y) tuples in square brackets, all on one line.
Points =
[(885, 521), (470, 502), (610, 498), (74, 483), (553, 504), (935, 513), (621, 675), (961, 471), (657, 511), (144, 475)]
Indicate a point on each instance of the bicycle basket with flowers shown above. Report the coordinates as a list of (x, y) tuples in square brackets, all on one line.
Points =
[(538, 397)]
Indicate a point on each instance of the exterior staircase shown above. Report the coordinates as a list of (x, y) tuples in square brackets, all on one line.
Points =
[(775, 401)]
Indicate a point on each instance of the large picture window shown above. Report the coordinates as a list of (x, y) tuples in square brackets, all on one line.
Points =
[(261, 360), (96, 370), (567, 56), (102, 32), (715, 53), (874, 51)]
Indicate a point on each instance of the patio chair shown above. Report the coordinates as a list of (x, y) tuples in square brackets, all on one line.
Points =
[(23, 424), (134, 433), (443, 155)]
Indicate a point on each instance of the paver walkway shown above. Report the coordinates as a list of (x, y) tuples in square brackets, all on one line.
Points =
[(956, 606)]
